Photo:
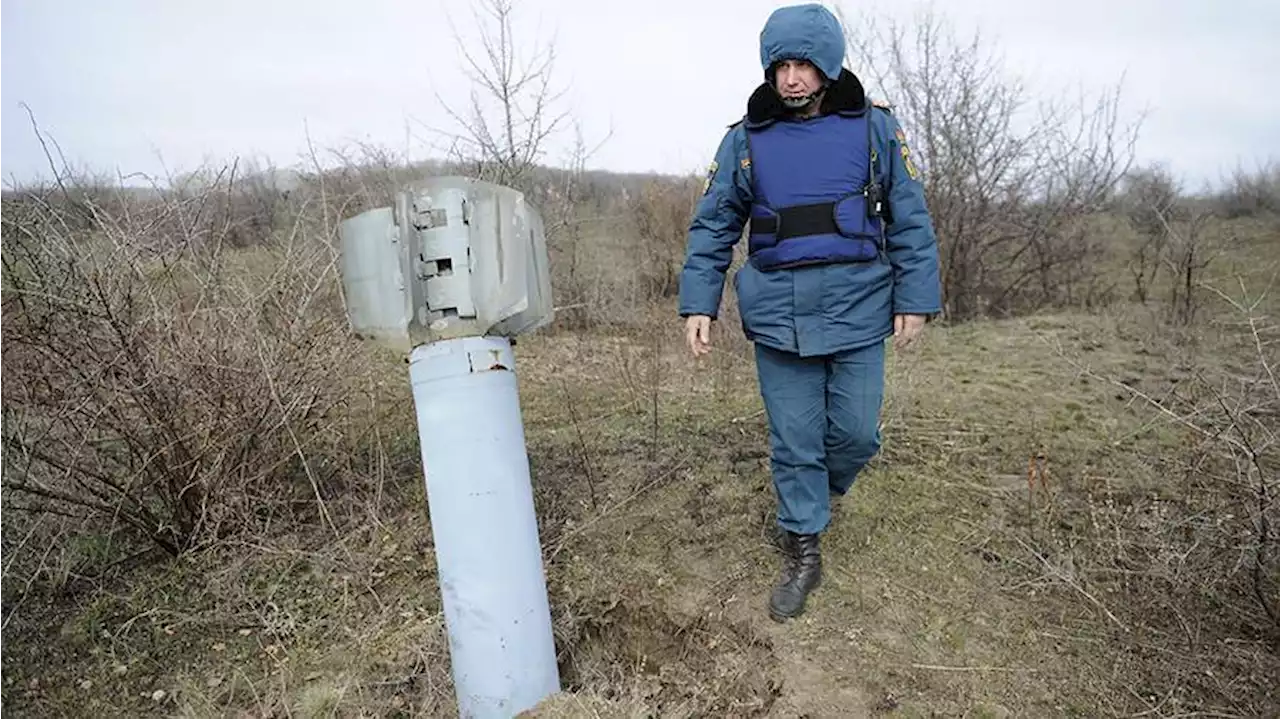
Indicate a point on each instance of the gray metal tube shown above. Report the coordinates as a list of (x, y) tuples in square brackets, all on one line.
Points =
[(482, 518)]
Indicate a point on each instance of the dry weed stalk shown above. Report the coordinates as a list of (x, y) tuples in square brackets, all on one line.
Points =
[(584, 454)]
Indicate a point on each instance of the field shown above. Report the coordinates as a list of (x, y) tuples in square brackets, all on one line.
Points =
[(1056, 525)]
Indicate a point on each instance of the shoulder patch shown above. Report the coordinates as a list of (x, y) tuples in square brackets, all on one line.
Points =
[(912, 171), (711, 173)]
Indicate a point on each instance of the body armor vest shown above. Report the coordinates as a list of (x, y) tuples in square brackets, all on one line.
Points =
[(817, 197)]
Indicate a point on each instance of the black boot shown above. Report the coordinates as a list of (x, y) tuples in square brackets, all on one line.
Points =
[(801, 574)]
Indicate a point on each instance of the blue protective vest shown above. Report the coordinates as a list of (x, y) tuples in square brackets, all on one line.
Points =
[(817, 197)]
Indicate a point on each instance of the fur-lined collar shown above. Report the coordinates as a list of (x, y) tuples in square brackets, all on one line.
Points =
[(845, 95)]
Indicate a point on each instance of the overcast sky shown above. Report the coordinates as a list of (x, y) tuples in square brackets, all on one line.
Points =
[(142, 85)]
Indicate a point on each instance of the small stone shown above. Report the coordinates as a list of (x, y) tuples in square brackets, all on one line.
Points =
[(86, 684), (158, 695)]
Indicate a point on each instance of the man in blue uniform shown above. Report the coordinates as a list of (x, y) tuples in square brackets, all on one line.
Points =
[(841, 257)]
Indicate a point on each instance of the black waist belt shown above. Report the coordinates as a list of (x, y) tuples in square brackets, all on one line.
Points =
[(798, 221)]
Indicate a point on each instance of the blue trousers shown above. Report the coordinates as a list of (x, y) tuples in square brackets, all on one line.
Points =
[(824, 426)]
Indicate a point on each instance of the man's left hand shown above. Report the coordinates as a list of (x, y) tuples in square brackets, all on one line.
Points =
[(906, 330)]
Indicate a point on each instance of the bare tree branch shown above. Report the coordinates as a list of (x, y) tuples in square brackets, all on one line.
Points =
[(1009, 182)]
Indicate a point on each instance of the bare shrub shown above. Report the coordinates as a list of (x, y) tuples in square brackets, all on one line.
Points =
[(1008, 182), (1177, 233), (361, 176), (502, 135), (661, 219), (564, 199), (160, 380), (1149, 194), (1192, 247), (1204, 547), (1251, 193)]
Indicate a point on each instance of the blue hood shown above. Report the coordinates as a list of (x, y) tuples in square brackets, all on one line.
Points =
[(803, 32)]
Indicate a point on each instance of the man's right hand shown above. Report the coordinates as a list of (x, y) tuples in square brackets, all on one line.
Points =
[(697, 331)]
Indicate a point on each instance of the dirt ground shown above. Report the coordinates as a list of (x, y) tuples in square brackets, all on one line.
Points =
[(952, 588)]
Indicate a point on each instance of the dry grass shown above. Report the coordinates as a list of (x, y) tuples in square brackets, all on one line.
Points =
[(943, 595)]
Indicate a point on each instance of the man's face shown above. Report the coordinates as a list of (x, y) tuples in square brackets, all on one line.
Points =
[(796, 79)]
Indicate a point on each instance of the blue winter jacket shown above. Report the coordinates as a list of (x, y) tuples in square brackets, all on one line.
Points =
[(823, 309)]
